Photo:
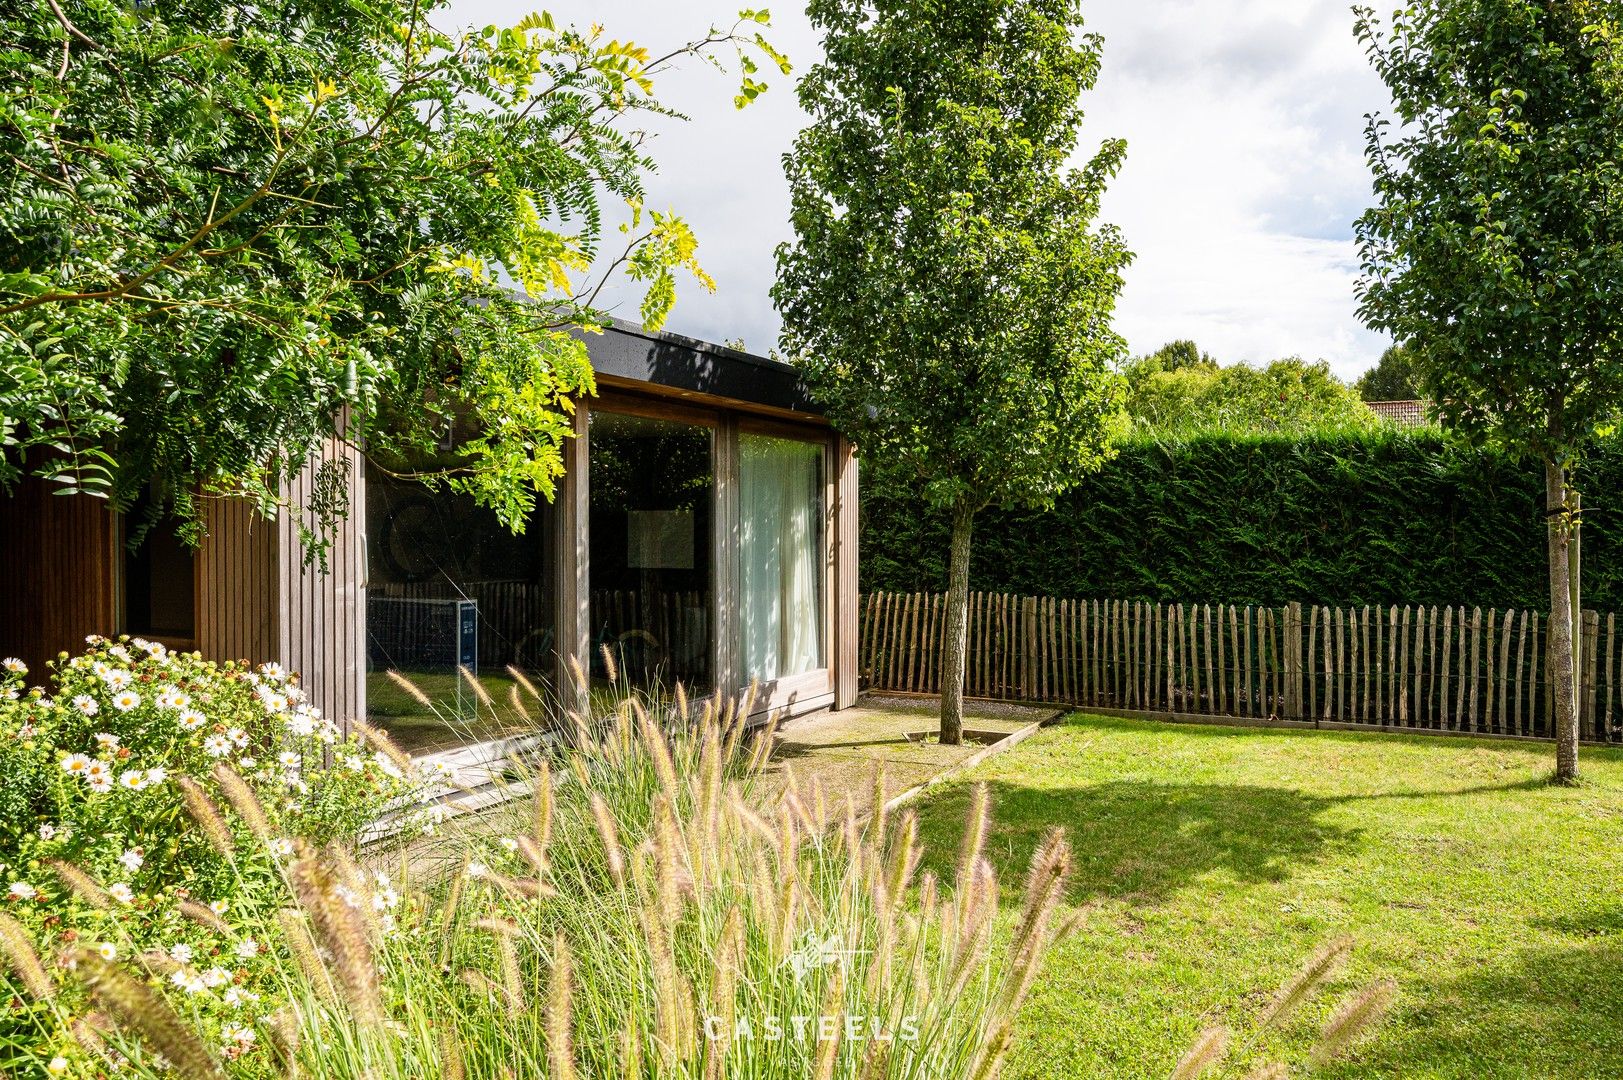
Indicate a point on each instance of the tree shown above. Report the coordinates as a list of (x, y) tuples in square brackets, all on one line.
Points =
[(228, 231), (1176, 356), (947, 296), (1495, 247), (1288, 397), (1394, 378)]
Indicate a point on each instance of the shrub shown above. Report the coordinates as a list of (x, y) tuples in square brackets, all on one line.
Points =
[(110, 828), (645, 916)]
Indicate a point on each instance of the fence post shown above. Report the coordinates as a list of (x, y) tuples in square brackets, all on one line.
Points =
[(1028, 647)]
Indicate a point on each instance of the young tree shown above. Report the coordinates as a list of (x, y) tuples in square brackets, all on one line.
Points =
[(948, 297), (1495, 248), (228, 231)]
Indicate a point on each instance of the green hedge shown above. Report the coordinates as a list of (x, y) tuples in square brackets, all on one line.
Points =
[(1339, 519)]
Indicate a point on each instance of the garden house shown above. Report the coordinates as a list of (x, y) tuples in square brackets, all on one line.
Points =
[(705, 532)]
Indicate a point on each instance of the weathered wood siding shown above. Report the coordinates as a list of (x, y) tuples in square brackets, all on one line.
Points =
[(847, 636), (236, 584), (57, 579), (321, 616)]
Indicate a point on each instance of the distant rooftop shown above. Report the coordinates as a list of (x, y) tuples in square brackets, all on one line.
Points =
[(1402, 413)]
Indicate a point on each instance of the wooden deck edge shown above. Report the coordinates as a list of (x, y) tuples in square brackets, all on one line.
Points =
[(1013, 739)]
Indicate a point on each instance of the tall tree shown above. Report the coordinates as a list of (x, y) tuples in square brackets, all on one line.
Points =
[(1393, 378), (1496, 243), (948, 296), (228, 231)]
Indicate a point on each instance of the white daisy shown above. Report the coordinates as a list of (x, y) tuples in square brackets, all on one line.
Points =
[(125, 700), (217, 745), (132, 859), (238, 736), (477, 869), (107, 951), (101, 785), (117, 679), (21, 890), (106, 740), (86, 704), (216, 977), (121, 652), (237, 997), (121, 892), (57, 1066), (219, 907), (181, 953), (246, 949), (288, 758), (281, 847), (133, 779), (47, 832), (271, 670), (76, 764), (157, 776), (14, 665), (100, 668), (191, 719), (166, 698), (236, 1037)]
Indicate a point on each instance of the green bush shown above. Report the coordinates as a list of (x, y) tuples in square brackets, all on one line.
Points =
[(1378, 518)]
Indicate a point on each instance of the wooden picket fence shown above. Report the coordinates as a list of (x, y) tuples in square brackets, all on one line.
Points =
[(1450, 669)]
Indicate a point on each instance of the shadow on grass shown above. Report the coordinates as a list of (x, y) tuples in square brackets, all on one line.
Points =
[(1550, 1011), (1138, 841)]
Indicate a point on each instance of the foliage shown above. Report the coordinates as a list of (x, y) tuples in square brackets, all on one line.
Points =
[(947, 297), (1395, 378), (1213, 859), (1383, 517), (1288, 397), (640, 916), (98, 772), (230, 231), (1495, 248), (1174, 356)]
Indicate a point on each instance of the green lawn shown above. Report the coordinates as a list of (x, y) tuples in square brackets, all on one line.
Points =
[(1214, 860)]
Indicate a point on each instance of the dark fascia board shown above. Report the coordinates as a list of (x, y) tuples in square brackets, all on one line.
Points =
[(627, 351)]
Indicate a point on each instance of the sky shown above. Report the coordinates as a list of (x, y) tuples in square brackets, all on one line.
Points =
[(1244, 122)]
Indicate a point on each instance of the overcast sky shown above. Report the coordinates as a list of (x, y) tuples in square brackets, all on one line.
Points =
[(1244, 128)]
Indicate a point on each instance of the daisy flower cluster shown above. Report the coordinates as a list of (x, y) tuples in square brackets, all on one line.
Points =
[(101, 851)]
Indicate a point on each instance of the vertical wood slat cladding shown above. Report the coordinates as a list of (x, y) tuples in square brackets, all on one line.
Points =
[(236, 584), (57, 583), (846, 615), (321, 617)]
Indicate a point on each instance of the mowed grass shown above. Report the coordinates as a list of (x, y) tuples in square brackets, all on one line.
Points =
[(1212, 861)]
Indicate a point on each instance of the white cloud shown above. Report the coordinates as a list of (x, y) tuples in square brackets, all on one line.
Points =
[(1244, 169)]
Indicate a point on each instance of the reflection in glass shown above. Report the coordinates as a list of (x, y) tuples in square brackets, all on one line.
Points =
[(448, 586), (780, 485), (651, 489)]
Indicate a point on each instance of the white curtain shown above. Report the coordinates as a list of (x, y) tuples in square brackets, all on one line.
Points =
[(780, 525)]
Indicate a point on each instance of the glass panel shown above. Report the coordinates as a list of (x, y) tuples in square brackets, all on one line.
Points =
[(652, 486), (449, 586), (780, 486)]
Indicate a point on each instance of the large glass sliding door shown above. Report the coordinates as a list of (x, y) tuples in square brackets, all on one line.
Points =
[(781, 562), (449, 589), (652, 494)]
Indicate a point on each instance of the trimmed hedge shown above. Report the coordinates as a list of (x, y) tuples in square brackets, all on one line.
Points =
[(1342, 519)]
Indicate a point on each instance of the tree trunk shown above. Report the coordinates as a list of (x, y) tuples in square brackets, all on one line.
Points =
[(953, 646), (1559, 662)]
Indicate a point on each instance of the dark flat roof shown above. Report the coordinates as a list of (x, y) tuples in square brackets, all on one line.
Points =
[(626, 351)]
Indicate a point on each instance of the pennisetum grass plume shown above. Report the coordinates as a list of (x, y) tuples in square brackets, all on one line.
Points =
[(1356, 1015), (1206, 1052), (339, 926), (504, 932), (142, 1012), (23, 960), (243, 801), (207, 815), (81, 884), (411, 689), (1318, 970), (560, 1013), (480, 694)]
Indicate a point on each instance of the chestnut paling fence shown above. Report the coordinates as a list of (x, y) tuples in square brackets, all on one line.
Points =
[(1415, 667)]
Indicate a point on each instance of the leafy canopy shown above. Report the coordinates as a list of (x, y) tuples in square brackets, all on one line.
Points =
[(1495, 248), (947, 296), (228, 231), (1286, 397), (1395, 378)]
